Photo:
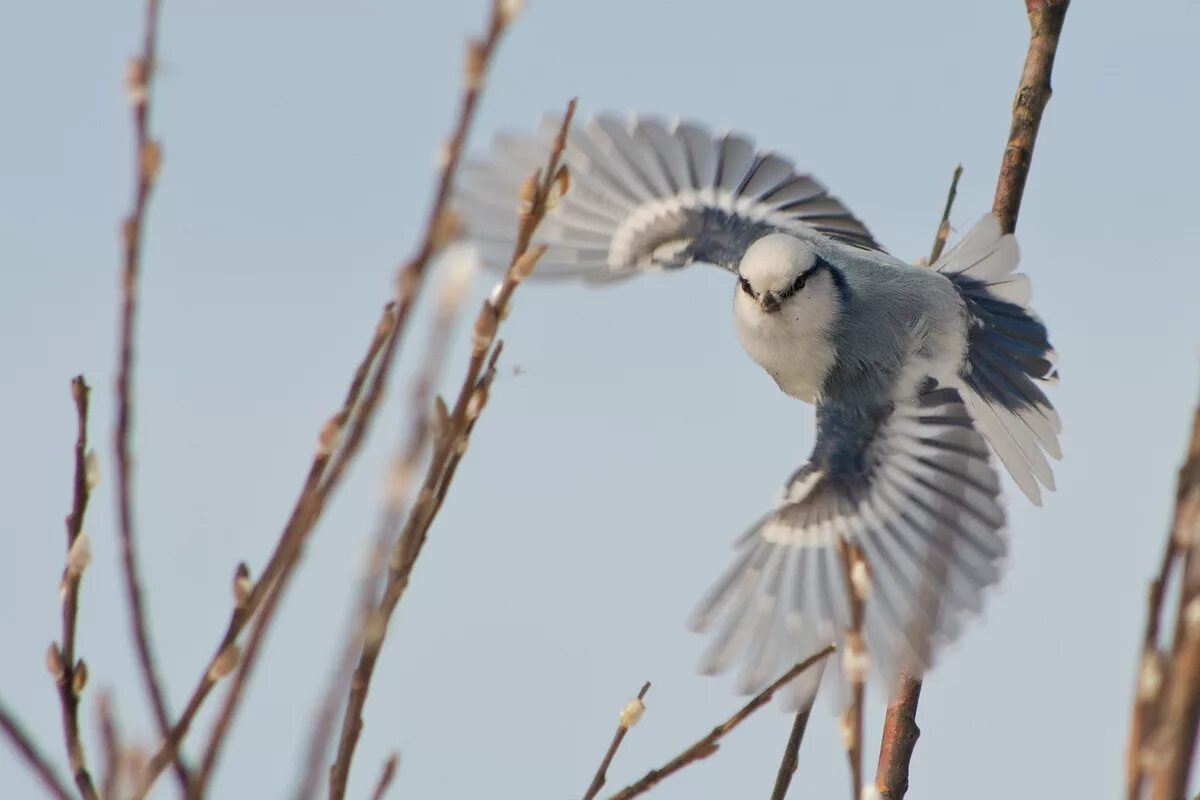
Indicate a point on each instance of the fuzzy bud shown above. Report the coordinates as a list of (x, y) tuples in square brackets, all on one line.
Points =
[(562, 182), (242, 585), (528, 193), (485, 330), (632, 712), (225, 663), (79, 555), (151, 159), (331, 433), (494, 297), (54, 663), (509, 9), (462, 262), (136, 77), (524, 265), (91, 470), (79, 677), (860, 579), (473, 65), (854, 660), (476, 402), (1150, 676)]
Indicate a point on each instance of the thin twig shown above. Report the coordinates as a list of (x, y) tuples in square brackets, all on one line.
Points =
[(1046, 17), (707, 745), (404, 464), (452, 444), (1166, 711), (943, 231), (37, 762), (627, 721), (854, 571), (110, 737), (352, 427), (72, 674), (385, 777), (791, 755), (139, 78), (287, 544)]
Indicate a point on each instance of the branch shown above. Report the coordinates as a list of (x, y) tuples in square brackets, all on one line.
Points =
[(1166, 711), (791, 755), (854, 570), (147, 159), (344, 433), (706, 746), (1046, 17), (629, 717), (536, 197), (111, 739), (33, 758), (385, 777), (71, 676)]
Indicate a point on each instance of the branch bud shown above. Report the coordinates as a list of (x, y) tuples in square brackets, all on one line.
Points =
[(79, 555), (508, 10), (91, 470), (242, 585), (528, 193), (485, 329), (136, 77), (524, 265), (331, 433), (79, 677), (632, 713), (54, 663), (225, 663), (562, 182)]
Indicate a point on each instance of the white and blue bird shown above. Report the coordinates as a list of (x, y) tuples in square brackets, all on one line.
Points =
[(917, 374)]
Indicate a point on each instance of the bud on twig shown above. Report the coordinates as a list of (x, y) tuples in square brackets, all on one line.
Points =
[(485, 329), (242, 585), (562, 182), (476, 402), (91, 470), (527, 261), (441, 418), (331, 433), (136, 76), (528, 193), (54, 663), (79, 677), (151, 160), (632, 713), (1150, 676), (225, 663), (860, 579), (473, 65), (509, 9), (79, 555)]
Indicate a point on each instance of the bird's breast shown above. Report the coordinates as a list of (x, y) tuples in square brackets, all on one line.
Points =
[(794, 351)]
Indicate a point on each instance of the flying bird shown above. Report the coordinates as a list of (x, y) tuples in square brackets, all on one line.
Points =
[(917, 373)]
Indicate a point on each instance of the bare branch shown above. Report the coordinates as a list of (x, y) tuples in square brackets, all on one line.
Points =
[(78, 556), (1166, 711), (854, 569), (111, 739), (139, 81), (707, 745), (791, 755), (449, 450), (24, 745), (385, 777), (629, 718), (943, 231), (1046, 17)]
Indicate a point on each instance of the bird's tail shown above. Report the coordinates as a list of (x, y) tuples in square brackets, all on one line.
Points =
[(1009, 356)]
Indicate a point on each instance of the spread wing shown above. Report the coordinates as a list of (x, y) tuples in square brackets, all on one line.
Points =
[(909, 483), (648, 194)]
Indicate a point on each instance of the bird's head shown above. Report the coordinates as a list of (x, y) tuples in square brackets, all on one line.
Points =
[(783, 274)]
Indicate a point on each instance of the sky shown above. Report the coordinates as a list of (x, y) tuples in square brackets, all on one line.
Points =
[(612, 470)]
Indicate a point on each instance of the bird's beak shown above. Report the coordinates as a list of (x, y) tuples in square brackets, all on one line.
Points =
[(769, 302)]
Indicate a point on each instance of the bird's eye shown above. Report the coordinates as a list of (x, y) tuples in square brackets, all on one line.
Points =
[(798, 284), (745, 284)]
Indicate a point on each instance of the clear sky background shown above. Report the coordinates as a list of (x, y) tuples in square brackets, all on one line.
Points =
[(607, 480)]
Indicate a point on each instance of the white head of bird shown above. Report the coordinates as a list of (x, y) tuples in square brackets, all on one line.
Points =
[(784, 309)]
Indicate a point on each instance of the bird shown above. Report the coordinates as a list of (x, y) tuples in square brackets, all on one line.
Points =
[(919, 374)]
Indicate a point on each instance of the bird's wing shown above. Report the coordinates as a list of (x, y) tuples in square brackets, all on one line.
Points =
[(644, 194), (1009, 355), (910, 485)]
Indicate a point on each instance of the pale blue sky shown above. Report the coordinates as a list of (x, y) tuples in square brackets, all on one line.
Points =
[(606, 481)]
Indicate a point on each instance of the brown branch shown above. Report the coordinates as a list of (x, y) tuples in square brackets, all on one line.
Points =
[(37, 762), (943, 231), (246, 606), (405, 464), (707, 745), (854, 570), (791, 755), (1046, 17), (629, 718), (78, 556), (1166, 711), (111, 739), (346, 430), (385, 777), (139, 80), (451, 445)]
